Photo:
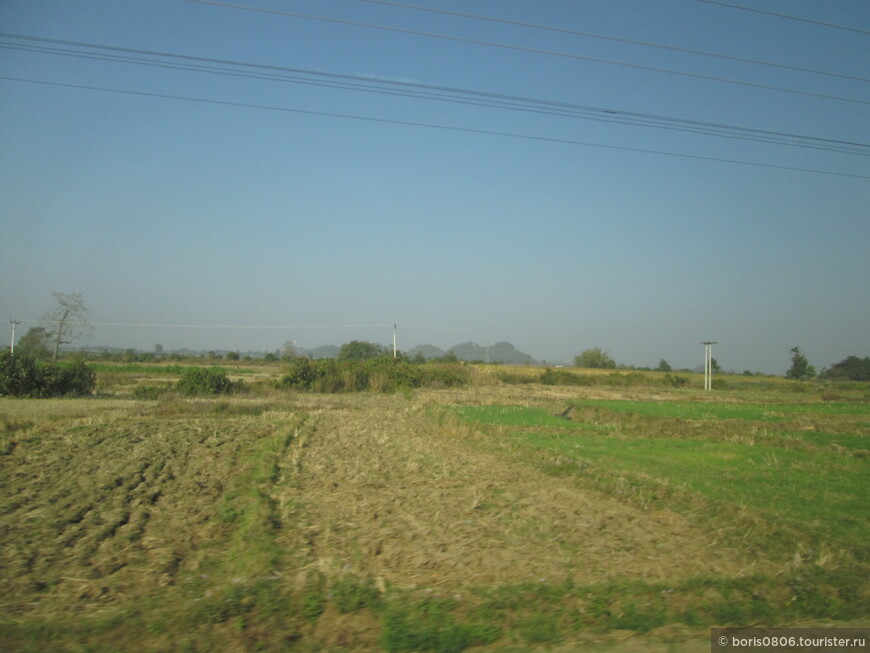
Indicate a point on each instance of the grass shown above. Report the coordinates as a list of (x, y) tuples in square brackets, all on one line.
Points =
[(796, 495), (431, 625), (159, 369), (818, 490), (190, 524), (515, 416), (706, 410), (823, 494)]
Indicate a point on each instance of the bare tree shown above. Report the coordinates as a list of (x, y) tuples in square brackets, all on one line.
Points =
[(66, 321)]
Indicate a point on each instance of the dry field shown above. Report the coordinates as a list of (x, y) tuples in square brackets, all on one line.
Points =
[(362, 522)]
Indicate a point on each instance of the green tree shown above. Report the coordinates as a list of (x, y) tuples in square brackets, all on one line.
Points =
[(851, 368), (800, 369), (66, 321), (34, 343), (595, 358), (360, 350), (663, 366)]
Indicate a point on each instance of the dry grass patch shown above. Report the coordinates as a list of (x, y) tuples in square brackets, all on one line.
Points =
[(283, 521), (387, 494)]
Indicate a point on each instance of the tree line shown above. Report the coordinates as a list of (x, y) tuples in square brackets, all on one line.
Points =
[(68, 321)]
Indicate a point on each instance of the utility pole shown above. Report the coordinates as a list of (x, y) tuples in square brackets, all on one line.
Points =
[(12, 345), (708, 363), (394, 340)]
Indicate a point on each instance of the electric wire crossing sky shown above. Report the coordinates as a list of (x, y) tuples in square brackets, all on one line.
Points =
[(629, 175)]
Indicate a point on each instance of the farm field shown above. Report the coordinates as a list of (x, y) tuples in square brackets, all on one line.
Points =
[(490, 517)]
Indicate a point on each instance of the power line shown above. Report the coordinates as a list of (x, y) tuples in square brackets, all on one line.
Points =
[(616, 39), (519, 48), (424, 91), (467, 130), (786, 16)]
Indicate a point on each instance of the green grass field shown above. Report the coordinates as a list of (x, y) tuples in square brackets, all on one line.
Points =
[(707, 410), (799, 480)]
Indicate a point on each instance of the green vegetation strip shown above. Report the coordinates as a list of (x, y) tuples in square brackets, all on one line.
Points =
[(703, 410), (516, 416), (788, 501), (818, 492)]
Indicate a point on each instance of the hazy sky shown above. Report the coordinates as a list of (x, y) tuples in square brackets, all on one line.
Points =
[(359, 176)]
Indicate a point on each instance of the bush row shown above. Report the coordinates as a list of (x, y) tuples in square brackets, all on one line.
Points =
[(564, 377), (22, 376), (382, 374)]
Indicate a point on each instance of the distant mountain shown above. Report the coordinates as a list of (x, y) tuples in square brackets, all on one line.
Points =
[(428, 351), (500, 352)]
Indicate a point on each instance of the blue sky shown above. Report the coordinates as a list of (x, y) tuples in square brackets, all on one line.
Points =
[(172, 204)]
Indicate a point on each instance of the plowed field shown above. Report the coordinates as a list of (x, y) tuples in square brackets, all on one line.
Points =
[(358, 522)]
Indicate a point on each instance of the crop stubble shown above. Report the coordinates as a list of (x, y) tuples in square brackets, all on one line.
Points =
[(385, 493), (113, 510), (136, 508)]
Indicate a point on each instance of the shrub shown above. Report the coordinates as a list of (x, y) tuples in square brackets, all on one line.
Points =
[(70, 379), (388, 375), (22, 376), (446, 375), (360, 350), (19, 376), (562, 377), (675, 381), (594, 358), (382, 374), (301, 374), (204, 381), (509, 378), (151, 391)]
